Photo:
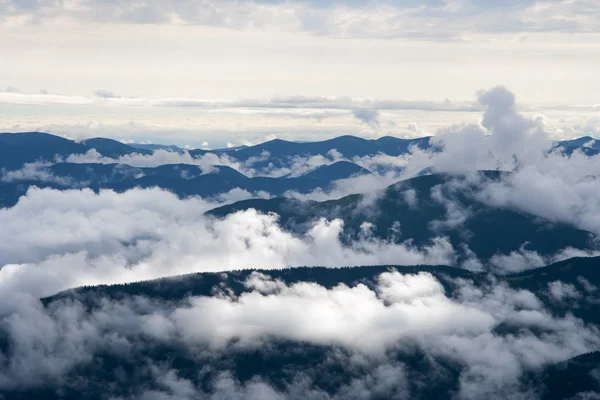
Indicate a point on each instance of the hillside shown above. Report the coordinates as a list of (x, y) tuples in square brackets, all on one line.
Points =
[(277, 361), (182, 179), (408, 210)]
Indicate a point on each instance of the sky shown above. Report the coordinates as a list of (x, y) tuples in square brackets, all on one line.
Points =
[(218, 72)]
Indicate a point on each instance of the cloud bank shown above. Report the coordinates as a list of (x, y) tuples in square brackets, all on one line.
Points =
[(147, 234), (399, 314)]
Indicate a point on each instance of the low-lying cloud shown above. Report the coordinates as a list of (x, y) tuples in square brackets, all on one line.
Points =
[(62, 239), (371, 325)]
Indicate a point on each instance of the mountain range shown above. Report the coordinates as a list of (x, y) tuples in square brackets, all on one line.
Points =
[(470, 329), (185, 180), (404, 211), (16, 149)]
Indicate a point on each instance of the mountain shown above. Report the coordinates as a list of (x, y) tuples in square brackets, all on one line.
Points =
[(88, 174), (369, 332), (223, 179), (154, 147), (576, 378), (577, 271), (182, 179), (112, 148), (281, 152), (587, 145), (229, 149), (17, 149), (278, 361), (409, 210), (337, 170)]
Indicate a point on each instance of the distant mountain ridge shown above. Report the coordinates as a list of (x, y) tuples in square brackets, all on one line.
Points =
[(16, 149), (184, 180), (154, 147), (587, 145), (19, 149), (348, 146), (571, 270)]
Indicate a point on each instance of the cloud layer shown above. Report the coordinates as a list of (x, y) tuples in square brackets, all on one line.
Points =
[(399, 314), (147, 234)]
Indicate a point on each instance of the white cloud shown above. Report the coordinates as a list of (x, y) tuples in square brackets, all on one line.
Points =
[(398, 313), (550, 185), (206, 162), (146, 234), (36, 172), (561, 291)]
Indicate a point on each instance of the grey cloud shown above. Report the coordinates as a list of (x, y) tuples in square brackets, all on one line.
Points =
[(105, 94), (368, 116), (291, 103), (10, 89), (434, 20)]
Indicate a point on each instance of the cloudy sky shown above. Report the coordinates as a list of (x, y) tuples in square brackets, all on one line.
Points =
[(194, 71)]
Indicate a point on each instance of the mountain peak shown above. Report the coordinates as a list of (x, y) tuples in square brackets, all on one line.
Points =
[(338, 170)]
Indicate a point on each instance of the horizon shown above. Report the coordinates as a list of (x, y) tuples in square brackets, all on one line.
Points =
[(232, 148), (251, 124)]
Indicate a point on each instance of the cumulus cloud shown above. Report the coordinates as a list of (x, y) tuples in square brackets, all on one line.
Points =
[(541, 181), (505, 140)]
